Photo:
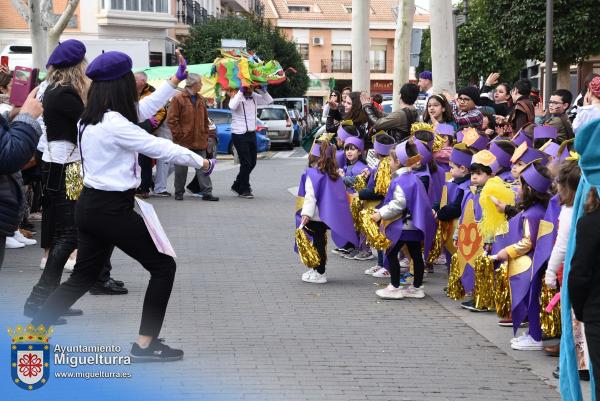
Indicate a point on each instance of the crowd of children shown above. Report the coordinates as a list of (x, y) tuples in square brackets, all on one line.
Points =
[(492, 207)]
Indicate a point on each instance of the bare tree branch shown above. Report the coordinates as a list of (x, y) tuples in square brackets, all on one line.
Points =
[(21, 8), (47, 13), (64, 19)]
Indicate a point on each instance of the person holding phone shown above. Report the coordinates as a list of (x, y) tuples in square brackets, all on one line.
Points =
[(17, 145)]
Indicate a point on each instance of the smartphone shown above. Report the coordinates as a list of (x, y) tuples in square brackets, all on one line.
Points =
[(24, 80), (4, 61)]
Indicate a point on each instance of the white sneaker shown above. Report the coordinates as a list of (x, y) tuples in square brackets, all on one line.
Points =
[(412, 292), (43, 263), (390, 292), (517, 339), (364, 255), (526, 343), (404, 262), (12, 243), (440, 261), (381, 273), (306, 273), (23, 239), (372, 270), (70, 265), (315, 277)]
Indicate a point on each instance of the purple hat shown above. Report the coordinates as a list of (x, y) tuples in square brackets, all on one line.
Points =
[(343, 134), (401, 153), (316, 149), (109, 66), (534, 179), (474, 139), (545, 131), (382, 148), (445, 129), (459, 136), (460, 158), (426, 75), (66, 54), (356, 141), (486, 158), (527, 155), (521, 137), (502, 157), (423, 151), (550, 148)]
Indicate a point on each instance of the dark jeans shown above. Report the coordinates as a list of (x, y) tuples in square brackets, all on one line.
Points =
[(414, 249), (592, 336), (61, 212), (146, 165), (318, 231), (104, 220), (245, 145), (2, 246)]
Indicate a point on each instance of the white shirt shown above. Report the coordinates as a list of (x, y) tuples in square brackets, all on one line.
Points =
[(562, 237), (243, 111), (396, 206), (110, 148), (584, 115), (59, 151)]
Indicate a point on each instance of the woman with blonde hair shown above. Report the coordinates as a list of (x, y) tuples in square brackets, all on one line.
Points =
[(63, 102)]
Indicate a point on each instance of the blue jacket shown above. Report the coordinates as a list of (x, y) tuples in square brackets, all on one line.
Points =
[(17, 145)]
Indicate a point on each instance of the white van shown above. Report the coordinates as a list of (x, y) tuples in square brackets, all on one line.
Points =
[(301, 105)]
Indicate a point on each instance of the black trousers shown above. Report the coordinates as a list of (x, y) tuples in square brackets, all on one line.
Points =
[(146, 174), (2, 246), (318, 231), (104, 220), (592, 336), (245, 144), (414, 249)]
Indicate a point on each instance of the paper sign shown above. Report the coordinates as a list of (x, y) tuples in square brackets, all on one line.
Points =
[(163, 245)]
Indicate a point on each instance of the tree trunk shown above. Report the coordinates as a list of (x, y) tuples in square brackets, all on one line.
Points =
[(360, 46), (38, 33), (404, 24), (61, 24), (563, 80), (442, 46)]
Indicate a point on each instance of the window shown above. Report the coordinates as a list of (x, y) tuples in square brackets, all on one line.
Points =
[(299, 9), (303, 50), (341, 60), (377, 60), (268, 114), (219, 117), (159, 6), (348, 9)]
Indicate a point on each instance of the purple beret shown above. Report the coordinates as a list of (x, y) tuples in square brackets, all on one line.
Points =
[(426, 75), (356, 141), (445, 129), (66, 54), (109, 66), (534, 179), (545, 132)]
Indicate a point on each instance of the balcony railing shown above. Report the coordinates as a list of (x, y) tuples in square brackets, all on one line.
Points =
[(336, 65), (190, 12)]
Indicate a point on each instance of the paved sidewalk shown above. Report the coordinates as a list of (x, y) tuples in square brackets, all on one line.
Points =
[(252, 330)]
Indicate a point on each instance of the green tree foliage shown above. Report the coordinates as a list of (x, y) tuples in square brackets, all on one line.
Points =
[(425, 55), (267, 41), (482, 47), (522, 24)]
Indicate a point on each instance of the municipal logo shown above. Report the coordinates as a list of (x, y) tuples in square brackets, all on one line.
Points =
[(30, 356)]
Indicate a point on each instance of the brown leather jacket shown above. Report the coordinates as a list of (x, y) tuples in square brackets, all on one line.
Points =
[(188, 121)]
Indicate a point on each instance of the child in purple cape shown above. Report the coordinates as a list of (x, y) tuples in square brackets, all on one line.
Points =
[(406, 220), (518, 246), (503, 150), (324, 206)]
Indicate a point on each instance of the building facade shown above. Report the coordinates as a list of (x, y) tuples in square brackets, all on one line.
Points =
[(322, 32)]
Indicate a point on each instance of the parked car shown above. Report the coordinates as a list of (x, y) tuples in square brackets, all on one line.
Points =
[(279, 124), (299, 127), (387, 106), (222, 121), (300, 104)]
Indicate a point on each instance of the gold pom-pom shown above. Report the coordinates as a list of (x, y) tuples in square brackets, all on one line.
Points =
[(355, 208), (550, 322), (375, 237), (483, 291), (493, 222), (383, 178), (420, 126), (360, 183), (438, 143), (438, 242), (306, 249), (73, 180), (502, 297), (456, 290)]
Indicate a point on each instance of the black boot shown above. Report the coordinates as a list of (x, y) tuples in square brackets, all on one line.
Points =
[(37, 298)]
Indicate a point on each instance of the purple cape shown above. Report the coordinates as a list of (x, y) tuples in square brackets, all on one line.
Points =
[(453, 189), (333, 206), (545, 243), (425, 173), (438, 179), (417, 204), (352, 170), (340, 158), (506, 176), (468, 276)]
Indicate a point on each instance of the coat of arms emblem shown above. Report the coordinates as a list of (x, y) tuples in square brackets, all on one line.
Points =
[(30, 356)]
